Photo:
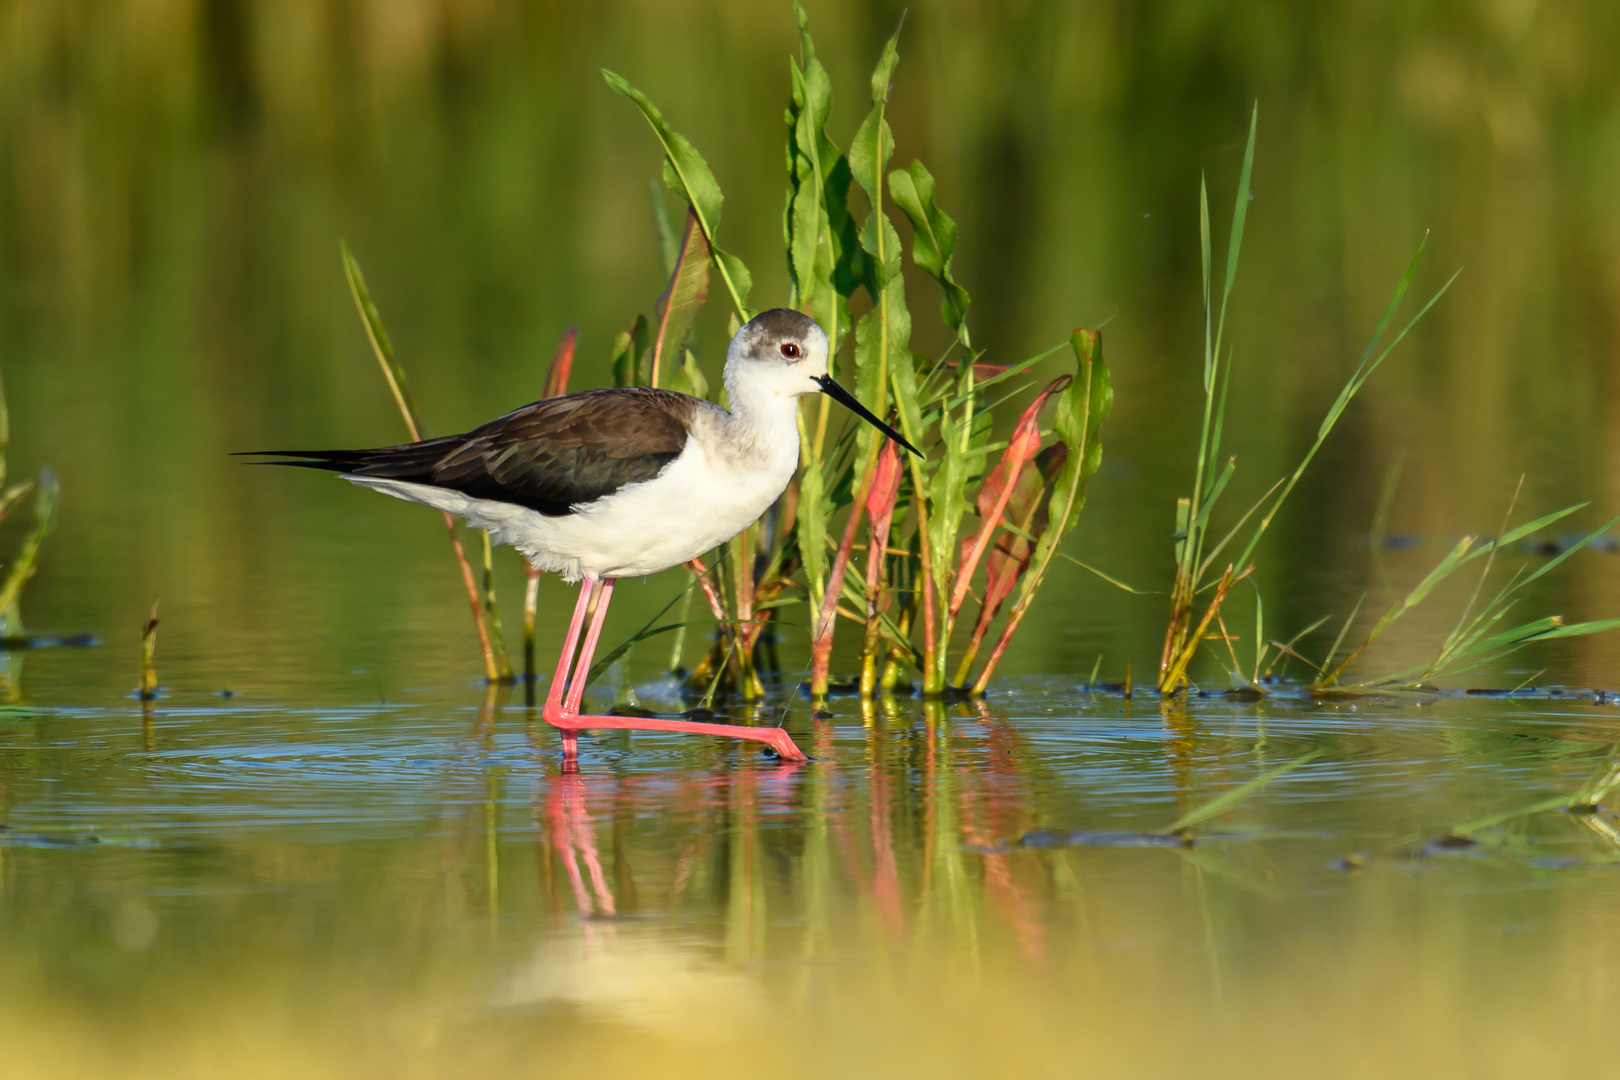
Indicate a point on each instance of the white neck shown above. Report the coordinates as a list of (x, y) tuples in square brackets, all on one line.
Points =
[(762, 407)]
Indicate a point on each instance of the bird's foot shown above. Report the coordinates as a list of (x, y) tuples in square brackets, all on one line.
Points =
[(570, 722)]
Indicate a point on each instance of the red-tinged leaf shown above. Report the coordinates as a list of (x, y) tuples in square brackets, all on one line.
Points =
[(997, 487), (688, 289), (982, 371), (880, 500), (562, 363), (885, 487), (1009, 558)]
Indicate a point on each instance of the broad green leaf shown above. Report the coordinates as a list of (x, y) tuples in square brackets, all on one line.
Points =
[(690, 378), (883, 74), (689, 176), (874, 144), (1079, 415), (933, 242), (624, 360)]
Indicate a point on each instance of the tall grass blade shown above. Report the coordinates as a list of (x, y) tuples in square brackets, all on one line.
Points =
[(383, 348), (380, 344)]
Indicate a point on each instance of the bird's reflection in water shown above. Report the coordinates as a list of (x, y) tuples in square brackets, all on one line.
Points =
[(623, 969)]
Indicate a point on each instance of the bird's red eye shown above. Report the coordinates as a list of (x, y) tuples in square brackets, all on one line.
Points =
[(790, 350)]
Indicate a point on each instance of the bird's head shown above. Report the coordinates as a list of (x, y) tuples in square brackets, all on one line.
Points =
[(781, 351), (784, 353)]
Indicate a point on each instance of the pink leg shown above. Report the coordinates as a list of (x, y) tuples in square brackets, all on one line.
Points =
[(563, 713), (553, 712), (582, 670)]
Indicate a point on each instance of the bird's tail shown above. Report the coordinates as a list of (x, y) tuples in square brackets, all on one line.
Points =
[(408, 462)]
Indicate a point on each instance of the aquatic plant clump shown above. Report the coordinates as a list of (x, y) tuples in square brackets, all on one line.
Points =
[(904, 561), (1474, 641)]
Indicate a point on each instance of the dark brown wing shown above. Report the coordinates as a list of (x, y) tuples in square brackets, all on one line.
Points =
[(550, 456)]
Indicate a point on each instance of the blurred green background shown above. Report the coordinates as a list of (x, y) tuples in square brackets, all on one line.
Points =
[(175, 176)]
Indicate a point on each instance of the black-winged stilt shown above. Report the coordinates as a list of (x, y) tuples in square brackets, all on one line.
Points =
[(623, 482)]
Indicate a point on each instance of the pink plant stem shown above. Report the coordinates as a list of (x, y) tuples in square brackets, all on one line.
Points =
[(1001, 646), (822, 642), (491, 671), (710, 592), (964, 573)]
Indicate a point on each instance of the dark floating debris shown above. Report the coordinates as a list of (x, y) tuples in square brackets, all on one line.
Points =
[(23, 642), (1446, 844), (1051, 838), (1556, 545)]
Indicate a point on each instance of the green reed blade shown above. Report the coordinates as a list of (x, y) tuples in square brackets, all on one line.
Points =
[(383, 349), (1230, 535), (1518, 533), (380, 344), (1215, 493), (1088, 568), (825, 260), (1234, 246)]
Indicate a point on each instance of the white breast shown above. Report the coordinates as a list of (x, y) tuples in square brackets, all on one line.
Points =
[(716, 488)]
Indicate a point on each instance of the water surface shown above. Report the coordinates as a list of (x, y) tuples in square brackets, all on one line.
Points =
[(415, 887), (324, 852)]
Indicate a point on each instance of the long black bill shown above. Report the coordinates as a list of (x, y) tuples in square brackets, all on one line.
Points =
[(849, 401)]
